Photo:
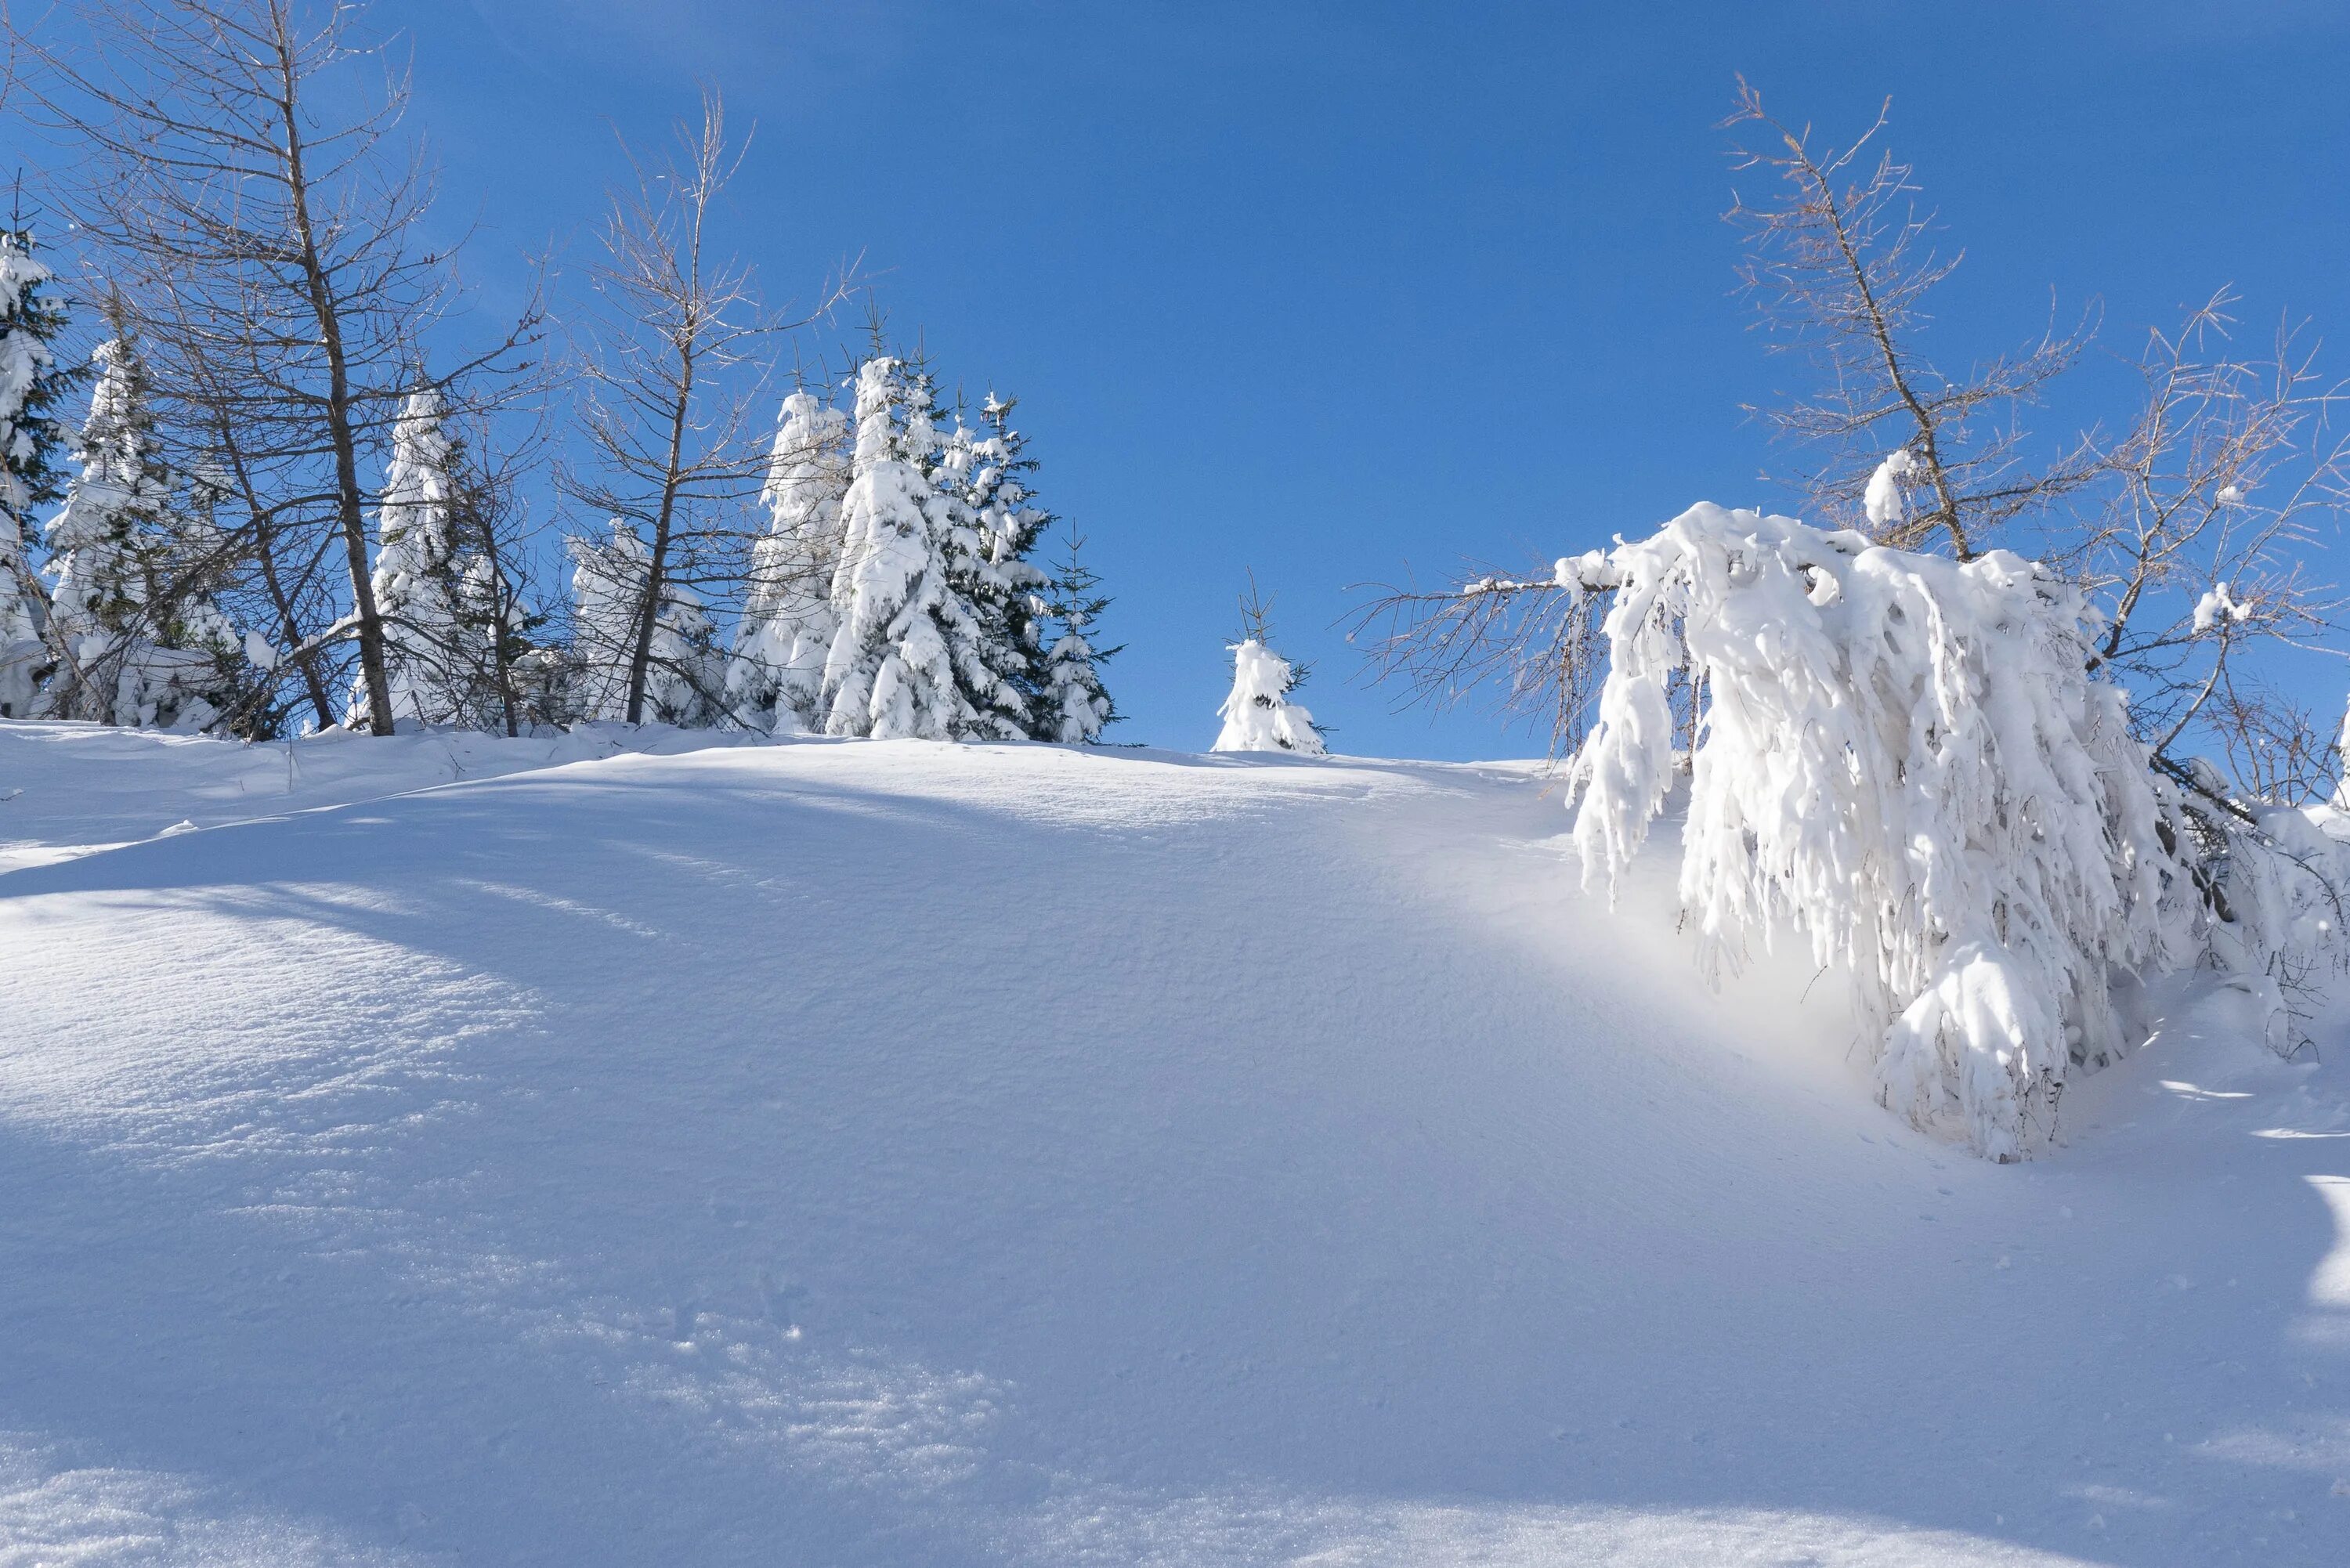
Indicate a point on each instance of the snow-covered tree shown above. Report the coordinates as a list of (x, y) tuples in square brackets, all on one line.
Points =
[(907, 638), (1902, 758), (138, 637), (1258, 716), (988, 565), (1071, 707), (435, 657), (608, 583), (33, 387), (776, 674)]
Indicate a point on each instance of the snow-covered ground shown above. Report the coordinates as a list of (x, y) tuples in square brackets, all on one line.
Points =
[(895, 1153)]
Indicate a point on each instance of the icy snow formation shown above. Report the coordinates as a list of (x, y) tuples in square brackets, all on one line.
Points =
[(1902, 760)]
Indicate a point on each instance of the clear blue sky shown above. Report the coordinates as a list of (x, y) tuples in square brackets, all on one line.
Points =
[(1338, 291)]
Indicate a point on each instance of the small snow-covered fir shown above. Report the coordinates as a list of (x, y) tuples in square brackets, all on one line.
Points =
[(139, 641), (1258, 715)]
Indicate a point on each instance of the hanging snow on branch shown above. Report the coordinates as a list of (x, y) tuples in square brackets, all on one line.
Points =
[(1902, 760)]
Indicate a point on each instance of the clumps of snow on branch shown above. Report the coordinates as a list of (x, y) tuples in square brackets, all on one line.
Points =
[(2215, 606), (1882, 500), (1258, 715), (1902, 760)]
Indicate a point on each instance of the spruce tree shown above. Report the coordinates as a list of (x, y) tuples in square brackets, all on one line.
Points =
[(776, 674), (33, 388), (1258, 715), (433, 659), (138, 637), (1071, 706), (892, 669), (99, 538), (989, 566)]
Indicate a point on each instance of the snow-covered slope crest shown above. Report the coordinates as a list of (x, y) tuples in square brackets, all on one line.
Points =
[(887, 1153)]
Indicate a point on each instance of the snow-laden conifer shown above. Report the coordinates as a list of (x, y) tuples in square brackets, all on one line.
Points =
[(1903, 759), (891, 672), (32, 389), (608, 584), (776, 674), (1258, 715), (138, 637), (1071, 707), (987, 564), (417, 572)]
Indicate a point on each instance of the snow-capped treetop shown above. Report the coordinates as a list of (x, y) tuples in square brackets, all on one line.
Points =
[(1257, 715), (1903, 758)]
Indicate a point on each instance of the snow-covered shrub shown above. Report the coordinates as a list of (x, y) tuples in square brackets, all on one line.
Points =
[(1258, 716), (1902, 759)]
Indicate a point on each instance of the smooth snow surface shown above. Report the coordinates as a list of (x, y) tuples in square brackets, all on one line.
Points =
[(896, 1153)]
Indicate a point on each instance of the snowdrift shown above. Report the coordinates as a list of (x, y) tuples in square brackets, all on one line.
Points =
[(854, 1152)]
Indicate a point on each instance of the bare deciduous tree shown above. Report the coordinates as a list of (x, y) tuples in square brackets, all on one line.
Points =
[(668, 410), (1839, 265), (2193, 527)]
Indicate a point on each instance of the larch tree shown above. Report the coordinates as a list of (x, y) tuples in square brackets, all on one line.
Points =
[(670, 383)]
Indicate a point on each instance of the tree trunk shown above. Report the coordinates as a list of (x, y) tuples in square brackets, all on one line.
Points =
[(349, 506)]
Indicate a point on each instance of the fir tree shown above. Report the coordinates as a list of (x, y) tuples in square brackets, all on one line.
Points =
[(608, 582), (1071, 706), (905, 634), (33, 387), (138, 637), (1258, 715), (776, 675), (433, 658), (989, 565)]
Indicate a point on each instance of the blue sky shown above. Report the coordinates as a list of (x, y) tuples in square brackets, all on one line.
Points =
[(1341, 292)]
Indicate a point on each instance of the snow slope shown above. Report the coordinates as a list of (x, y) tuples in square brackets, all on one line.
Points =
[(892, 1152)]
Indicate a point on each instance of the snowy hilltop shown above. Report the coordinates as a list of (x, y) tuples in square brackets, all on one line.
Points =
[(560, 1154)]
